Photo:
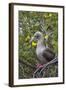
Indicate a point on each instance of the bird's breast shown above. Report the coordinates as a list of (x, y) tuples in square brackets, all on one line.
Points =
[(39, 52)]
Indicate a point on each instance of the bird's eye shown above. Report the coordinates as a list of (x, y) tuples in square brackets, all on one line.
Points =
[(37, 36)]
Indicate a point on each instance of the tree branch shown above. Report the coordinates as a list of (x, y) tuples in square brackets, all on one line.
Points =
[(55, 60), (41, 69)]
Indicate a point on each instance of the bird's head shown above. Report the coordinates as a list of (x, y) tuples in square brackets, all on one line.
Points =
[(37, 36)]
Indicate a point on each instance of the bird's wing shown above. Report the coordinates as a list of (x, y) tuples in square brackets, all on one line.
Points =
[(48, 54)]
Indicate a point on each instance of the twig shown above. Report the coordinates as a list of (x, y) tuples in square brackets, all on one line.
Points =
[(36, 71), (55, 60), (40, 69)]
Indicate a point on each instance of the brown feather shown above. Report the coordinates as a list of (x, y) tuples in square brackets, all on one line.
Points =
[(48, 54)]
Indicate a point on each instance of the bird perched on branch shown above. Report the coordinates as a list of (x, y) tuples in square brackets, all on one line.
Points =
[(44, 54)]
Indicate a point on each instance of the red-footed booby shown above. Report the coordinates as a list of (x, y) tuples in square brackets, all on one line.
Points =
[(44, 54)]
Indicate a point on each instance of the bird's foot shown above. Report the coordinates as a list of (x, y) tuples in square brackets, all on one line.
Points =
[(39, 65)]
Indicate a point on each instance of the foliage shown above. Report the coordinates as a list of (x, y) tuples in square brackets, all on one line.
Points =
[(29, 23)]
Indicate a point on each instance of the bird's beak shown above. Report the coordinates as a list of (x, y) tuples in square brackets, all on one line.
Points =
[(31, 39)]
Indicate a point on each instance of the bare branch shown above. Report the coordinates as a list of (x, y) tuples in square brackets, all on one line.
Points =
[(41, 69), (55, 60), (42, 24)]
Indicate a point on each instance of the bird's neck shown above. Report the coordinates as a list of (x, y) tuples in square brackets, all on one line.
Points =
[(40, 43)]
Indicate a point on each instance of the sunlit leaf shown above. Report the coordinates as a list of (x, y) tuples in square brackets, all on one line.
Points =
[(46, 37), (27, 38), (34, 44), (50, 15)]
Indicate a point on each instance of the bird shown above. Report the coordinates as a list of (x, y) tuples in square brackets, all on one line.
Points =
[(44, 54)]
